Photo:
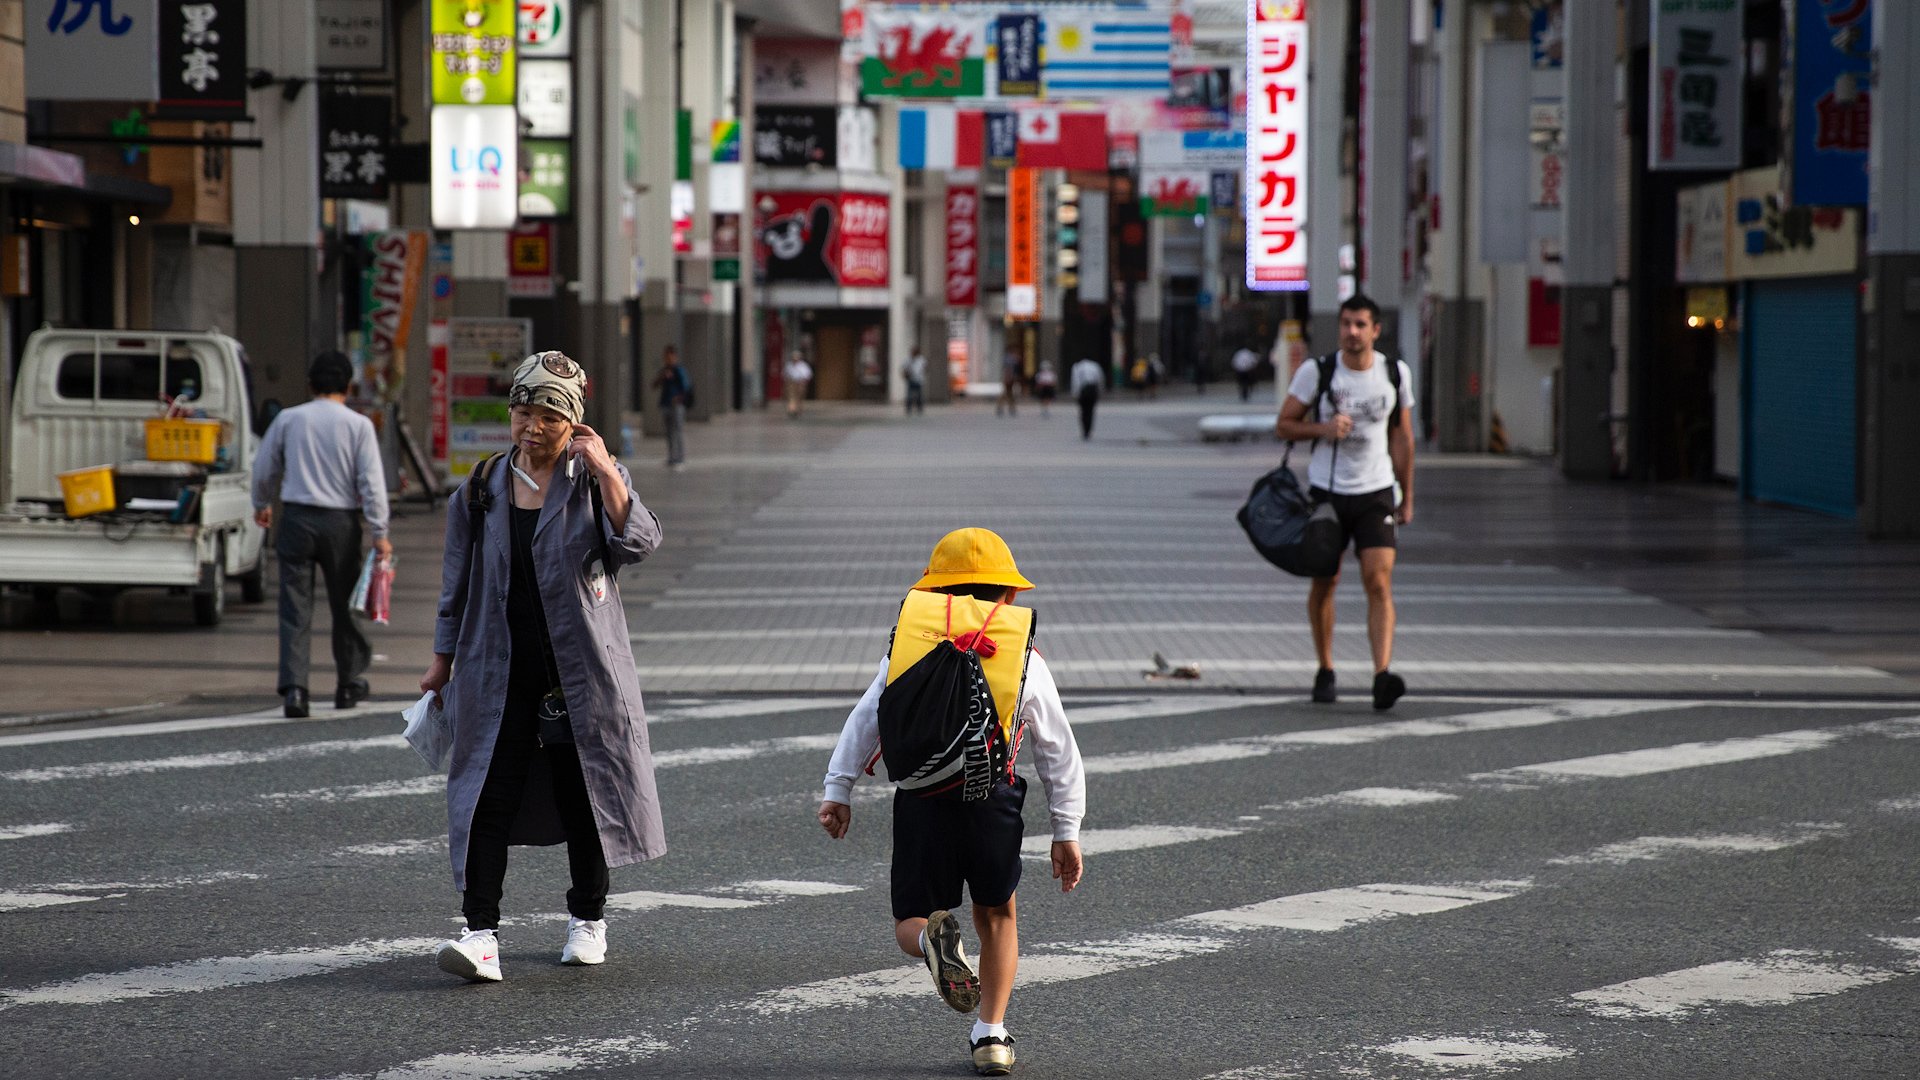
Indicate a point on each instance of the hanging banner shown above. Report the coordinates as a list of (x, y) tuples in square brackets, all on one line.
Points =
[(1003, 139), (1023, 244), (1830, 74), (1174, 192), (1101, 54), (1696, 91), (356, 131), (1016, 44), (546, 28), (923, 54), (546, 181), (530, 261), (546, 98), (822, 238), (203, 59), (472, 54), (963, 246), (90, 51), (350, 35), (475, 165), (1093, 247), (1275, 186), (390, 284)]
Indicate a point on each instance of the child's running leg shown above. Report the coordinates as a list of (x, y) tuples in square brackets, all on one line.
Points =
[(999, 956), (907, 932)]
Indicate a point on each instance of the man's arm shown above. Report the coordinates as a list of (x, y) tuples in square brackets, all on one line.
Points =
[(1293, 424), (370, 475), (267, 467), (1400, 449)]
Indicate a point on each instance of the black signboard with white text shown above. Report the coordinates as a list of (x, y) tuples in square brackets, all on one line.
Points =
[(203, 59), (356, 134), (795, 136)]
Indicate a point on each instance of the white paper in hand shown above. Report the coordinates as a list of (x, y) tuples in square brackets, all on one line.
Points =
[(428, 732)]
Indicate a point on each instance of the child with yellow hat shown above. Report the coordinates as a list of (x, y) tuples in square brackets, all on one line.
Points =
[(962, 654)]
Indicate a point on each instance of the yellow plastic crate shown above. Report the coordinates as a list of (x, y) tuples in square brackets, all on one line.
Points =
[(88, 491), (197, 441)]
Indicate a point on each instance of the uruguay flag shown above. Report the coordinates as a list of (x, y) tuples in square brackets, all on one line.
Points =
[(942, 137), (1096, 54)]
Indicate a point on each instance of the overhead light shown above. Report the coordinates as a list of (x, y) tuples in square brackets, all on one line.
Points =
[(133, 219)]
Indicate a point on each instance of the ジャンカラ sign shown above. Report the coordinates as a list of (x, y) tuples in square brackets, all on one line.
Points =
[(1275, 188)]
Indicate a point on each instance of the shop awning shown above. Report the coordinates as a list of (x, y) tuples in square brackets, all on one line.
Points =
[(38, 168)]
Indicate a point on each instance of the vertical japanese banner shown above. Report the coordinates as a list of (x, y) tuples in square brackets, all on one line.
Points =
[(1696, 91), (963, 246), (1023, 244), (1830, 74), (203, 59), (1276, 172)]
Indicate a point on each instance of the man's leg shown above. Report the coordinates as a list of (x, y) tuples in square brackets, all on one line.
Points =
[(676, 433), (999, 957), (293, 544), (1376, 572), (1320, 617), (340, 558)]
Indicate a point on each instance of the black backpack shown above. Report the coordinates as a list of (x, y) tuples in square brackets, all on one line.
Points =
[(940, 731), (480, 500)]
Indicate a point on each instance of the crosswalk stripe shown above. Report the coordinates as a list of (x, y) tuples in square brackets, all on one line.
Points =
[(259, 718), (729, 710), (1489, 1054), (1338, 909), (1781, 977), (1252, 595), (1269, 630), (217, 973), (298, 751), (1652, 848), (1127, 838), (523, 1061), (23, 901), (1691, 755), (45, 828)]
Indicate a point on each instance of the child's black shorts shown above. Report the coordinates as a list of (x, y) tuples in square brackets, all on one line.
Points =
[(941, 844)]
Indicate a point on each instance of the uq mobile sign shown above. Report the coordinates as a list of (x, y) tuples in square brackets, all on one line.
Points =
[(475, 130), (1276, 161)]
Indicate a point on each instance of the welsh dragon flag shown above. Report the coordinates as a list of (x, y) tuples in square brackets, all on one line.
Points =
[(920, 54)]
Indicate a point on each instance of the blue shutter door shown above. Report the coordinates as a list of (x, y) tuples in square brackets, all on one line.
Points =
[(1800, 394)]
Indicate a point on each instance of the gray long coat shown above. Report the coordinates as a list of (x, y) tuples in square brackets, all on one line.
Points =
[(591, 648)]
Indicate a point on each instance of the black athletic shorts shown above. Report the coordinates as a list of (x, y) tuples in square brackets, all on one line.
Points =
[(940, 844), (1366, 521)]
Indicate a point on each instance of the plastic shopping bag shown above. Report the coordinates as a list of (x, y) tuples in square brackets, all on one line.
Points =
[(429, 732), (379, 600), (358, 601)]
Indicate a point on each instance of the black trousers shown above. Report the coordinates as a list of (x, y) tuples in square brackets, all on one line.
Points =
[(1089, 397), (515, 754), (308, 538)]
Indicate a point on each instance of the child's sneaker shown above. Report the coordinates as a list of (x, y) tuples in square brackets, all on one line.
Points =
[(474, 956), (953, 977), (586, 942), (993, 1055)]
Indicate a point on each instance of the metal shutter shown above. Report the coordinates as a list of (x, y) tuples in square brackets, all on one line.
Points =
[(1800, 361)]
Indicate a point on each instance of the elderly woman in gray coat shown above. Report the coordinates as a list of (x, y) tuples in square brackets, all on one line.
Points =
[(533, 662)]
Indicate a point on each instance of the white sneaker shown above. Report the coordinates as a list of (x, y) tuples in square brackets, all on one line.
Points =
[(586, 942), (474, 955)]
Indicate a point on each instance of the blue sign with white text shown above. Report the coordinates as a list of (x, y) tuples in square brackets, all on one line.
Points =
[(1832, 101), (1016, 41)]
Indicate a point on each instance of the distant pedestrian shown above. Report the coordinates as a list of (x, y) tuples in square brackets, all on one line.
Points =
[(1137, 376), (322, 461), (1046, 383), (1009, 383), (1084, 382), (1245, 363), (1352, 404), (676, 393), (534, 664), (957, 801), (915, 372), (1156, 375), (796, 375)]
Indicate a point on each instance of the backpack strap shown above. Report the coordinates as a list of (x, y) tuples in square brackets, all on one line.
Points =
[(479, 497), (599, 512), (1393, 376)]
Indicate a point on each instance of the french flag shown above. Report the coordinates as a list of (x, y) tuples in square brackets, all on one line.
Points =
[(942, 137)]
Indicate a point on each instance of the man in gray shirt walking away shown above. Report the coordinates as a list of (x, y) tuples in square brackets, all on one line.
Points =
[(323, 462)]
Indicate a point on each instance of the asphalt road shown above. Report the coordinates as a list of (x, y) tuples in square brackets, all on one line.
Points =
[(1531, 887)]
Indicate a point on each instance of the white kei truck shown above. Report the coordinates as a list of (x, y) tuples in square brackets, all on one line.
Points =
[(83, 399)]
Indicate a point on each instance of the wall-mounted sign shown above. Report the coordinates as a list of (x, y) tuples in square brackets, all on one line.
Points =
[(530, 261), (475, 164), (1093, 247), (726, 247), (1546, 124), (1695, 96), (546, 28), (203, 59), (795, 71), (1003, 139), (723, 141), (963, 246), (356, 131), (83, 50), (1831, 77), (827, 238), (680, 207), (1016, 43), (1275, 186), (546, 98), (1023, 244), (795, 136), (1200, 97), (472, 52), (1768, 237), (1193, 149), (350, 35), (546, 178), (859, 139)]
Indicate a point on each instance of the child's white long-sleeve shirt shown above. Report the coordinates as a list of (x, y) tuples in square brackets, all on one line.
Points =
[(1056, 756)]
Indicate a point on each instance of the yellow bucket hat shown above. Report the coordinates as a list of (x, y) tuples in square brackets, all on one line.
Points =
[(969, 556)]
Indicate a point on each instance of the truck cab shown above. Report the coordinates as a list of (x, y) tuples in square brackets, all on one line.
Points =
[(83, 399)]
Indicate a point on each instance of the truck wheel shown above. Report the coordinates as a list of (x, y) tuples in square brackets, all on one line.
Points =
[(253, 583), (46, 604), (210, 604)]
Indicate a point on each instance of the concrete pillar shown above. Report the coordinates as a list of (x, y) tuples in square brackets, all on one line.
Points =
[(1890, 354), (653, 126), (1384, 143), (1588, 255), (1459, 331), (1326, 75)]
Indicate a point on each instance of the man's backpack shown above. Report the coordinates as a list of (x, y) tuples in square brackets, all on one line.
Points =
[(940, 730)]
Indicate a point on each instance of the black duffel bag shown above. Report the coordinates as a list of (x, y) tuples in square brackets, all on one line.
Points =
[(1289, 528)]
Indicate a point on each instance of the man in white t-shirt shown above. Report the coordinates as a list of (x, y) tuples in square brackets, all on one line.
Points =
[(1245, 362), (796, 375), (1362, 448)]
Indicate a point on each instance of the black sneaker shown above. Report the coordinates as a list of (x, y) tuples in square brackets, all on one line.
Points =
[(953, 977), (993, 1056), (1323, 691), (1387, 688)]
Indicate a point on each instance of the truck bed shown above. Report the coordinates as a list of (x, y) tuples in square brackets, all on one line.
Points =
[(138, 549)]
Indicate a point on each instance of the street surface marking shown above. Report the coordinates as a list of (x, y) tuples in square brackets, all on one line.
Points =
[(523, 1061), (1495, 667), (218, 973), (1128, 838), (22, 832), (1660, 759), (101, 769), (434, 784), (709, 755), (745, 894), (1781, 977), (728, 710), (264, 718), (22, 901), (1151, 592), (1338, 909), (782, 887), (1294, 629), (1654, 848), (1472, 1053), (434, 845), (1370, 796)]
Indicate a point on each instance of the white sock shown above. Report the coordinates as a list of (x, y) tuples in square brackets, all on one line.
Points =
[(982, 1030), (923, 942)]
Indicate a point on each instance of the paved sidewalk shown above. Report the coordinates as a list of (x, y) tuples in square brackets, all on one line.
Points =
[(788, 544)]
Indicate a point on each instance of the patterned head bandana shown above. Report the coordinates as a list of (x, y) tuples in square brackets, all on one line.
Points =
[(551, 379)]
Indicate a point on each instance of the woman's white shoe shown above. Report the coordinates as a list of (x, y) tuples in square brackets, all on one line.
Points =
[(586, 942)]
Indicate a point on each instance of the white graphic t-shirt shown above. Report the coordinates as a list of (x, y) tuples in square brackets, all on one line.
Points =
[(1363, 465)]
